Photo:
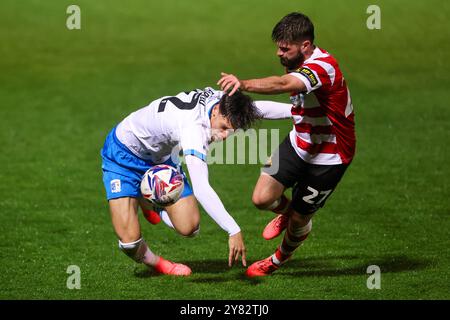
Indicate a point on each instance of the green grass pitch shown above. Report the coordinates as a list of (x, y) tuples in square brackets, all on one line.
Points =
[(61, 91)]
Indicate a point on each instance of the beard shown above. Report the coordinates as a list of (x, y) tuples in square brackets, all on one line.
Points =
[(293, 63)]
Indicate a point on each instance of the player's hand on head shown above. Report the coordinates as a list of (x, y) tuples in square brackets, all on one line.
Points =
[(229, 82), (237, 249)]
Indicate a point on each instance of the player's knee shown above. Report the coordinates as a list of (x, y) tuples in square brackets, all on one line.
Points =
[(129, 236), (189, 230), (260, 201), (193, 233)]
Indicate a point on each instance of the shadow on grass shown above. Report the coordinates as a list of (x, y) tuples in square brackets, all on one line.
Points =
[(227, 278), (197, 266), (145, 273), (217, 271), (331, 266), (326, 266)]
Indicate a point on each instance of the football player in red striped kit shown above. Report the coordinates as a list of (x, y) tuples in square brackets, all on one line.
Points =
[(314, 156)]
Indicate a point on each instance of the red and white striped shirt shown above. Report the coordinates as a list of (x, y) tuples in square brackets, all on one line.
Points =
[(324, 128)]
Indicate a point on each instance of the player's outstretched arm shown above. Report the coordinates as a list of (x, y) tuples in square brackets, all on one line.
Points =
[(274, 110), (210, 201), (270, 85)]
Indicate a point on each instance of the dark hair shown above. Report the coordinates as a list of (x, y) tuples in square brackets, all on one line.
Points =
[(294, 27), (239, 109)]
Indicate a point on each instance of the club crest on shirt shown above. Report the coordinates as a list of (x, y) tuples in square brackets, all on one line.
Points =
[(115, 186)]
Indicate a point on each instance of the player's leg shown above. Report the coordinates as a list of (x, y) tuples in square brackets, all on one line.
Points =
[(184, 212), (121, 179), (185, 216), (278, 174), (308, 196), (126, 225), (150, 213), (124, 218), (298, 229), (154, 214), (267, 193)]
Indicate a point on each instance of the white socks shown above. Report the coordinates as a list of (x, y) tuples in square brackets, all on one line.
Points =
[(139, 252)]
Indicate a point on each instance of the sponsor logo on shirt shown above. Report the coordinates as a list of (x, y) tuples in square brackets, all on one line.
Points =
[(309, 75)]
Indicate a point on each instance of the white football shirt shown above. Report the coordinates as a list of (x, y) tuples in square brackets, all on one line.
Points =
[(170, 123), (159, 130)]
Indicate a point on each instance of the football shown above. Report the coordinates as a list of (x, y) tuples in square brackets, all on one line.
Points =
[(162, 185)]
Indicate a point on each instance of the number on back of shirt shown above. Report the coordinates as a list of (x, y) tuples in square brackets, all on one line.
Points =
[(180, 104)]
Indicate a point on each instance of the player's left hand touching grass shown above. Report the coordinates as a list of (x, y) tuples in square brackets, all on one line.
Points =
[(229, 82), (237, 248)]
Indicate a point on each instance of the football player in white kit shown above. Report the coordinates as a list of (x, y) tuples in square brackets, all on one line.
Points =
[(156, 134)]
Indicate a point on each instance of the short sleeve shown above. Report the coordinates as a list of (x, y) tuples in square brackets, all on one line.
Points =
[(309, 77)]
